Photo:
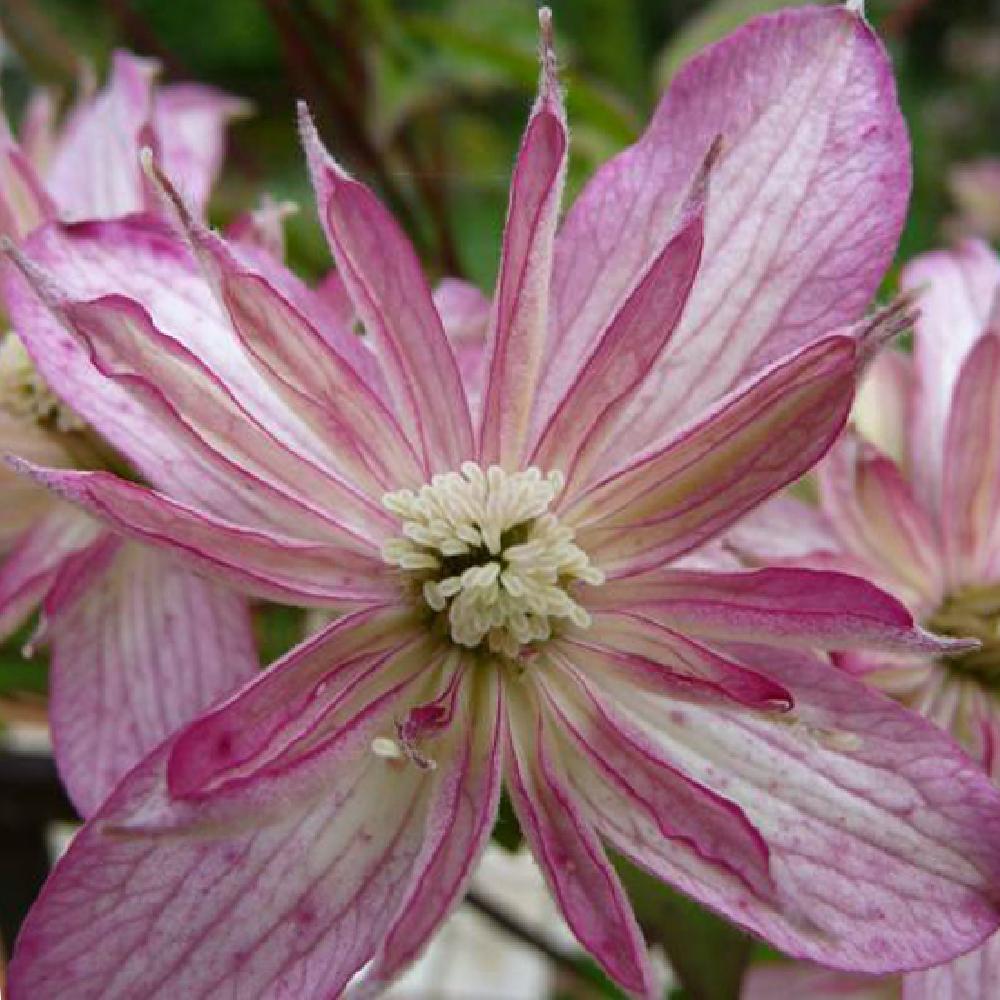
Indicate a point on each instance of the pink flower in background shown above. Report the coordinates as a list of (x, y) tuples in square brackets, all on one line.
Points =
[(140, 644), (911, 500), (526, 594), (87, 166), (975, 187)]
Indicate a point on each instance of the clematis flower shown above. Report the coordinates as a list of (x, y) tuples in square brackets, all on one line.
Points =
[(910, 500), (140, 644), (527, 603)]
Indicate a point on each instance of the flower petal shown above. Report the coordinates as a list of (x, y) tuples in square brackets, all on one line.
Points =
[(260, 562), (140, 646), (647, 654), (880, 830), (971, 977), (801, 981), (783, 529), (971, 485), (461, 818), (281, 896), (681, 493), (568, 851), (190, 122), (95, 171), (30, 567), (883, 410), (313, 375), (465, 315), (89, 261), (957, 293), (786, 606), (576, 432), (518, 329), (24, 202), (615, 768), (872, 506), (383, 277), (179, 388), (807, 203), (260, 723)]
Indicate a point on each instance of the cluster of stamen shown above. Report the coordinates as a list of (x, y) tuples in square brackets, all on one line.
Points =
[(972, 613), (486, 552), (25, 395)]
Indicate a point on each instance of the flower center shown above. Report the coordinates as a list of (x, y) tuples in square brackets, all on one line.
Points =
[(972, 613), (486, 553), (25, 395)]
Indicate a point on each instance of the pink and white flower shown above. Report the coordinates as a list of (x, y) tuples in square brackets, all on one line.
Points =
[(525, 601), (911, 500), (140, 644)]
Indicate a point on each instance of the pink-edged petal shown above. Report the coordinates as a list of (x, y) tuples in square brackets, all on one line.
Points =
[(29, 568), (880, 830), (873, 508), (383, 277), (647, 654), (970, 498), (465, 315), (262, 229), (883, 409), (518, 326), (24, 202), (190, 122), (460, 821), (800, 981), (957, 290), (568, 850), (153, 266), (787, 606), (655, 800), (67, 368), (95, 171), (179, 389), (280, 710), (140, 646), (285, 893), (264, 563), (785, 529), (579, 428), (464, 311), (974, 976), (326, 309), (808, 199), (681, 493), (315, 377)]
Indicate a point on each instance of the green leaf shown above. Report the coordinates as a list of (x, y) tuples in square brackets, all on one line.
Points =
[(506, 829), (277, 629), (490, 60), (591, 984), (18, 674), (708, 954)]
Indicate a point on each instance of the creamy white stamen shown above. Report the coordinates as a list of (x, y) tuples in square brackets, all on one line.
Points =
[(486, 551), (25, 395)]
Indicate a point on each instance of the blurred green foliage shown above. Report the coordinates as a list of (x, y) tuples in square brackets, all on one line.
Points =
[(425, 100)]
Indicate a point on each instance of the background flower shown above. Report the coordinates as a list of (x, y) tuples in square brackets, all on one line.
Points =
[(139, 643), (910, 500)]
